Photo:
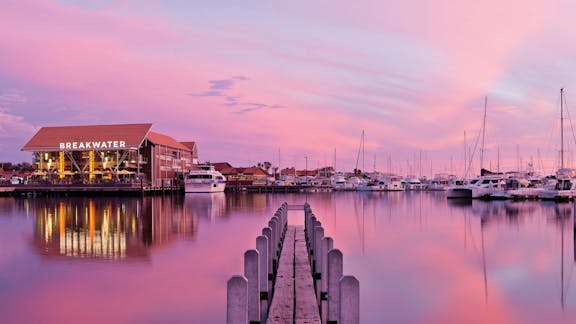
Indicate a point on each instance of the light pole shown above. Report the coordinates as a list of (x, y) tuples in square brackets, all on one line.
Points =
[(306, 170)]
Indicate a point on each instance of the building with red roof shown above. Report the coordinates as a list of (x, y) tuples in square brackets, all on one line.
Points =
[(122, 152)]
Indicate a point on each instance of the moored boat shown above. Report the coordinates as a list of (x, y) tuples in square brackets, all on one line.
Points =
[(204, 179)]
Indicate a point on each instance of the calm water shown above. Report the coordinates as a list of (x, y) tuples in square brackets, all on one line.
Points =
[(420, 258)]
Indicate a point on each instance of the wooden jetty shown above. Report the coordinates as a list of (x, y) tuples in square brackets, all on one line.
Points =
[(293, 276)]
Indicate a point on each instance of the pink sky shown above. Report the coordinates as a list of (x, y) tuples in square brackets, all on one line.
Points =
[(248, 81)]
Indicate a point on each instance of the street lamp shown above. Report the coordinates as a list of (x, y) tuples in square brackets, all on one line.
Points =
[(306, 170)]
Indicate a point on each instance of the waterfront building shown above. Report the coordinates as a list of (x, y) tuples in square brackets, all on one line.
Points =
[(109, 153), (242, 176)]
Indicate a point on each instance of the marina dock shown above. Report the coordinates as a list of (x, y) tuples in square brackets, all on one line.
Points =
[(87, 189), (293, 276)]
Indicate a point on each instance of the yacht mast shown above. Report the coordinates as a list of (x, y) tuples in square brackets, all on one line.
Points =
[(561, 128), (465, 158), (359, 149), (483, 135)]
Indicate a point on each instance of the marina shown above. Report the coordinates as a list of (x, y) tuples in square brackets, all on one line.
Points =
[(178, 251), (249, 162), (295, 275)]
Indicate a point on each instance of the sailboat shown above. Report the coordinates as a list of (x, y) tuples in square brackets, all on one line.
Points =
[(486, 184), (565, 188)]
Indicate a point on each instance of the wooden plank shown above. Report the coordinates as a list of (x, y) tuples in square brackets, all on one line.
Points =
[(306, 307), (294, 300), (282, 307), (295, 207)]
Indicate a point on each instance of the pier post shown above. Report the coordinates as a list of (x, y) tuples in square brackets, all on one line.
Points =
[(274, 238), (310, 234), (327, 245), (349, 300), (318, 237), (262, 247), (251, 272), (267, 231), (335, 270), (278, 233), (237, 300)]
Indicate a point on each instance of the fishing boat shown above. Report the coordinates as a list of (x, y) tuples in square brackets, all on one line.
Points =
[(204, 178)]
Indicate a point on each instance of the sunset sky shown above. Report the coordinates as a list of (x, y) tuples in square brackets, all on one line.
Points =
[(280, 81)]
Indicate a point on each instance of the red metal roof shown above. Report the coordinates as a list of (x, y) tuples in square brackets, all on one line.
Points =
[(160, 139), (192, 147), (50, 138), (121, 136)]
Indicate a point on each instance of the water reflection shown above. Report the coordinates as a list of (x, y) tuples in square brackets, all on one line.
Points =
[(420, 257), (115, 229)]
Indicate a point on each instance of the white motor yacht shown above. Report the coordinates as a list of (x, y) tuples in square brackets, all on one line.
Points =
[(204, 179), (565, 188), (440, 182), (482, 187)]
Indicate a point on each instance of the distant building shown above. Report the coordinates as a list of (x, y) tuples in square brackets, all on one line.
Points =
[(242, 176), (123, 152)]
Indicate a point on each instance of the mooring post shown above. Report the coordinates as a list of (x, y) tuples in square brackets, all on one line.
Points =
[(274, 238), (278, 234), (335, 270), (267, 231), (315, 225), (310, 233), (252, 273), (262, 247), (318, 236), (349, 300), (237, 300), (327, 245)]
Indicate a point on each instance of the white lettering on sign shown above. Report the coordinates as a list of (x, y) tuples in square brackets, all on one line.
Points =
[(91, 145)]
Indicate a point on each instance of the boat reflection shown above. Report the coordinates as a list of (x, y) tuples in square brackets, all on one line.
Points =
[(118, 229), (209, 205), (504, 210)]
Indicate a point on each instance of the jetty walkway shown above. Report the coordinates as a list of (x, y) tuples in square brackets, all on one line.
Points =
[(293, 276)]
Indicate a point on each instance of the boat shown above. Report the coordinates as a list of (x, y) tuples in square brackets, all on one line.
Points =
[(371, 185), (204, 178), (484, 186), (440, 182), (413, 183), (392, 182), (565, 188), (459, 189), (529, 187), (481, 188)]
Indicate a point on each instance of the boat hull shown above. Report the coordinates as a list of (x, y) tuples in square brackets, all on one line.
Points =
[(557, 194), (204, 187), (461, 192)]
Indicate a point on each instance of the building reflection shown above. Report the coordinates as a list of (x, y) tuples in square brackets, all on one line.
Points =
[(117, 229)]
